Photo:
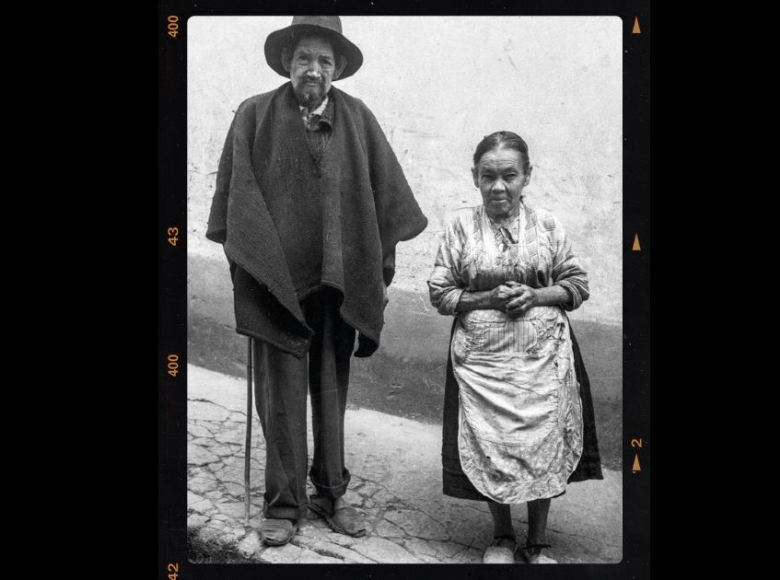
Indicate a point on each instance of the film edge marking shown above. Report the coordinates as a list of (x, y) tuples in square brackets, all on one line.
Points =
[(636, 443)]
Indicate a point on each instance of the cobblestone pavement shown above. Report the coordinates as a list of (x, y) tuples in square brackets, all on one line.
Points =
[(396, 483)]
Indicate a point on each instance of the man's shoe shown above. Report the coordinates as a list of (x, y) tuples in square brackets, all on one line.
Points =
[(278, 532), (341, 516)]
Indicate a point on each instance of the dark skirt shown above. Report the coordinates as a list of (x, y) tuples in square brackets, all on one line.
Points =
[(456, 484)]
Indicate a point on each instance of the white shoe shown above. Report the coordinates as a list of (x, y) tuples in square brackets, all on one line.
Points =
[(538, 558), (501, 551)]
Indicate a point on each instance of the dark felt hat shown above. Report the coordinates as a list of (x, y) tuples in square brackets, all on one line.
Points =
[(328, 26)]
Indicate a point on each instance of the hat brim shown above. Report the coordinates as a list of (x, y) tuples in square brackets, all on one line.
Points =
[(277, 39)]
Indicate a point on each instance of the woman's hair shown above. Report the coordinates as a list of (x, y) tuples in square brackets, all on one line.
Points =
[(507, 140)]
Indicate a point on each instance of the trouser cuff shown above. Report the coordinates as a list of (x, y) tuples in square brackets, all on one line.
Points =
[(332, 492)]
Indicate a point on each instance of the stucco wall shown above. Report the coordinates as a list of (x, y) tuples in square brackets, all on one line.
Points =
[(437, 85)]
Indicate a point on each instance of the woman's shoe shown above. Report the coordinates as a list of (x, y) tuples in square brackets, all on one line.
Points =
[(500, 551), (535, 556)]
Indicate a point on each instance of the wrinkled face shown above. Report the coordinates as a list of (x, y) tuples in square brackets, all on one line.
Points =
[(500, 178), (312, 67)]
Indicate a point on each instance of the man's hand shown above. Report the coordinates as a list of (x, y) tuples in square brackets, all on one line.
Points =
[(524, 298)]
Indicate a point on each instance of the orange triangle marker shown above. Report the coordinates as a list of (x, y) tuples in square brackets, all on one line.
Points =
[(636, 26), (636, 247), (636, 467)]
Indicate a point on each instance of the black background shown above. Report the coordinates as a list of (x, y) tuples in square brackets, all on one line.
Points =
[(172, 281)]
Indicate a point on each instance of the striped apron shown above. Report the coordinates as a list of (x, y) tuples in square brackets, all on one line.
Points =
[(520, 414)]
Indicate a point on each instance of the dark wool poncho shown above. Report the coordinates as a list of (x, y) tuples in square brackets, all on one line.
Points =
[(292, 221)]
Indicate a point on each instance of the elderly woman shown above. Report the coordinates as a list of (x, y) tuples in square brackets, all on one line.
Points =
[(518, 419)]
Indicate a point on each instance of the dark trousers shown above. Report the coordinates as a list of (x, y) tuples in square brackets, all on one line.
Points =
[(281, 384)]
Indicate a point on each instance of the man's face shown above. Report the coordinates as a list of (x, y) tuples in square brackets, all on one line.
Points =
[(312, 67)]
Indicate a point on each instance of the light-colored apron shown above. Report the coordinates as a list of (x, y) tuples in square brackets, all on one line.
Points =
[(520, 434)]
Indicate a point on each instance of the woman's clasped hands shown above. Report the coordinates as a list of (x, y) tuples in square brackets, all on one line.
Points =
[(513, 298)]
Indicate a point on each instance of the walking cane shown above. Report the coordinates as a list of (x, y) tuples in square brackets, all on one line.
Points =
[(250, 366)]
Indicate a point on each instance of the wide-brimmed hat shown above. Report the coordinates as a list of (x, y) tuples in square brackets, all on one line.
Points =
[(327, 26)]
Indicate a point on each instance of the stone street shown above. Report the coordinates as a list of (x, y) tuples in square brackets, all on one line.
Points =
[(396, 481)]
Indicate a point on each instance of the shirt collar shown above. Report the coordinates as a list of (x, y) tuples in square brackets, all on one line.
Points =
[(319, 110), (322, 115), (513, 227)]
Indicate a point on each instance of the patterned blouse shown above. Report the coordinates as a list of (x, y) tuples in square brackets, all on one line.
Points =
[(478, 254)]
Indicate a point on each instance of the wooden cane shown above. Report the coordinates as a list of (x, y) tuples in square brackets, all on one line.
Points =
[(249, 377)]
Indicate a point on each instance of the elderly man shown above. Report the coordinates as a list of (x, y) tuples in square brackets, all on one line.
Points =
[(310, 203)]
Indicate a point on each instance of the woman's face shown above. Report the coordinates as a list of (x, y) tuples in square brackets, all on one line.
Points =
[(500, 178)]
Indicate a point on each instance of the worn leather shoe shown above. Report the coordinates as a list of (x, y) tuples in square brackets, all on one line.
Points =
[(341, 517), (278, 532)]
